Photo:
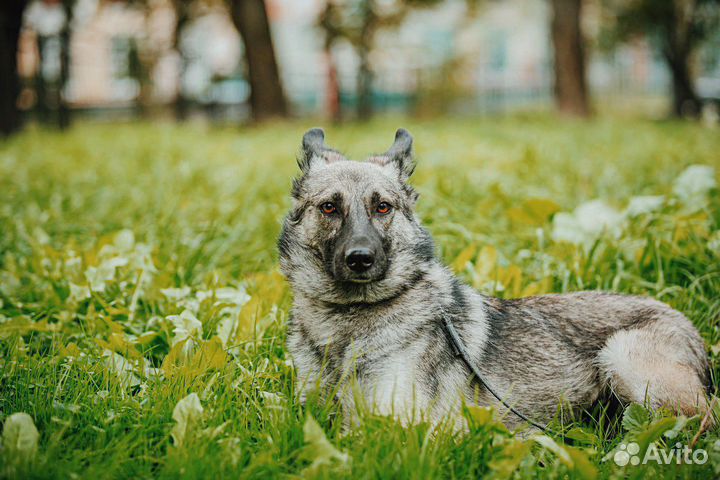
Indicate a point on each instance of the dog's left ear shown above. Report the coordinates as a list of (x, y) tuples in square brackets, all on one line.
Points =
[(399, 155)]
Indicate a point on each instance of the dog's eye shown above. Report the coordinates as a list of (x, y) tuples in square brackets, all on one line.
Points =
[(327, 208), (383, 208)]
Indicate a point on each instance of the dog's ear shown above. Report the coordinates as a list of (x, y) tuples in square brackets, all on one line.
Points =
[(399, 155), (315, 152)]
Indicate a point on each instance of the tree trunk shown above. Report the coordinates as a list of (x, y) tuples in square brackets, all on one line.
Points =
[(11, 13), (267, 98), (365, 80), (65, 39), (365, 73), (685, 102), (677, 47), (571, 91), (42, 109), (182, 17), (332, 94)]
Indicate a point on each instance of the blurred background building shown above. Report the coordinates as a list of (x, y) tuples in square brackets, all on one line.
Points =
[(352, 58)]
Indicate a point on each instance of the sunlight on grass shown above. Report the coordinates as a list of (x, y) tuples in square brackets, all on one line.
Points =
[(142, 314)]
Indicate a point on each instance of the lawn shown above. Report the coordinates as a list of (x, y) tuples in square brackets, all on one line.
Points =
[(142, 314)]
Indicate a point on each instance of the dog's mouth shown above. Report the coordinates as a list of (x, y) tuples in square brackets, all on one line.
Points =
[(360, 280), (356, 281)]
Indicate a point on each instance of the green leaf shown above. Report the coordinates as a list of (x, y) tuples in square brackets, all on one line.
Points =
[(635, 418), (582, 466), (509, 459), (483, 417), (550, 444), (582, 436), (534, 211), (480, 416), (318, 449), (574, 459), (680, 423), (460, 262), (653, 432)]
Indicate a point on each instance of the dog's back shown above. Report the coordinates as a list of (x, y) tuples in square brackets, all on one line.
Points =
[(576, 346)]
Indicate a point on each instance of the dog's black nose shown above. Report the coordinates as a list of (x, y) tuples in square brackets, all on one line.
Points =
[(359, 260)]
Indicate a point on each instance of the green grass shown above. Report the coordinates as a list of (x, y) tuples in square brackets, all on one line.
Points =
[(204, 207)]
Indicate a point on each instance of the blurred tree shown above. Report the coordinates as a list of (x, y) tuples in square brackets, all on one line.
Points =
[(140, 64), (63, 110), (183, 10), (52, 22), (571, 91), (358, 21), (144, 55), (329, 24), (11, 15), (267, 98), (677, 27)]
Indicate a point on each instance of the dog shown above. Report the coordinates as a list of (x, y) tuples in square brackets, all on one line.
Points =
[(371, 298)]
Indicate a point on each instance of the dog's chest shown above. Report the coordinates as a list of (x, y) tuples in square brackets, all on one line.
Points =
[(382, 355), (391, 379)]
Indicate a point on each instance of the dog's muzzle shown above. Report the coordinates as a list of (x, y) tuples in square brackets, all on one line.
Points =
[(360, 260)]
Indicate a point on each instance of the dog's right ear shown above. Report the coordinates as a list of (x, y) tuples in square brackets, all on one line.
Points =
[(314, 151)]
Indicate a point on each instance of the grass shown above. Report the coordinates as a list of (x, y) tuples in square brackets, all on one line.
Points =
[(104, 227)]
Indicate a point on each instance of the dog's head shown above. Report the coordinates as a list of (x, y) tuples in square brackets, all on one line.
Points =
[(352, 235)]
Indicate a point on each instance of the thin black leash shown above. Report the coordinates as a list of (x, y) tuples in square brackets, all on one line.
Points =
[(460, 351)]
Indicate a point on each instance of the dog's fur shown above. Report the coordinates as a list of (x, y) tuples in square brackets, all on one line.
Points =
[(383, 330)]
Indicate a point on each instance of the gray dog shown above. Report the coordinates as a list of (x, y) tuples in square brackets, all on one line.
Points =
[(371, 301)]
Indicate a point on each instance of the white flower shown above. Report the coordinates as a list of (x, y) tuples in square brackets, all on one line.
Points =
[(644, 204), (231, 449), (236, 296), (141, 258), (101, 396), (124, 252), (694, 184), (121, 367), (587, 223), (714, 243), (186, 326), (152, 372), (272, 399), (567, 229), (190, 303), (96, 278), (124, 240), (176, 293), (78, 293), (114, 262), (41, 236), (19, 437), (186, 414), (105, 272), (596, 217), (72, 262), (226, 328)]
